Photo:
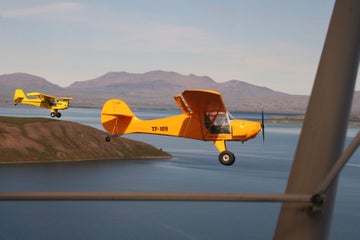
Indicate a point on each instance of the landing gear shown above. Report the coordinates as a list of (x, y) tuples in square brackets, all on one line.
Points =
[(107, 139), (55, 114), (226, 158)]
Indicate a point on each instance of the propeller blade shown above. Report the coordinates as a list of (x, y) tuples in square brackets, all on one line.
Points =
[(263, 125)]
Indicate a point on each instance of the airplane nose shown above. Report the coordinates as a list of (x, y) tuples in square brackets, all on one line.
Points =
[(256, 128)]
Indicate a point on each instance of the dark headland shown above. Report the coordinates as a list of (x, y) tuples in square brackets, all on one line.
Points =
[(48, 140)]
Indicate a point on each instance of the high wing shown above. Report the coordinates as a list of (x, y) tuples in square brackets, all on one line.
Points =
[(65, 98), (200, 101), (42, 97)]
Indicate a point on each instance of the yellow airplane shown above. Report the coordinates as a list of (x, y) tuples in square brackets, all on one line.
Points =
[(42, 100), (204, 117)]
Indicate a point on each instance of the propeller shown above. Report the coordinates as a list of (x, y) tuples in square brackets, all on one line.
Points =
[(262, 125)]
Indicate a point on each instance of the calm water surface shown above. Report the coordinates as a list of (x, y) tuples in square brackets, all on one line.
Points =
[(258, 168)]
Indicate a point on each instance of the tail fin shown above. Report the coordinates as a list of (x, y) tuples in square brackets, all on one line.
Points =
[(116, 116), (19, 95)]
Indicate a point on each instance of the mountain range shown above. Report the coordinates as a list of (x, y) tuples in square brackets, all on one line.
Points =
[(155, 90)]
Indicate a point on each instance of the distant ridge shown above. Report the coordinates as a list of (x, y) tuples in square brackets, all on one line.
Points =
[(155, 89), (25, 80)]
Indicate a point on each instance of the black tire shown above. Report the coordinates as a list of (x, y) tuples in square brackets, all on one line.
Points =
[(226, 158), (53, 114), (107, 139), (58, 115)]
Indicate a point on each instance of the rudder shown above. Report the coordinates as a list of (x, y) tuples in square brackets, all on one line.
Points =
[(116, 116), (19, 95)]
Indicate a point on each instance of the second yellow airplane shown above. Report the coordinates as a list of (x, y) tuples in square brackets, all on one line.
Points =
[(204, 117), (42, 100)]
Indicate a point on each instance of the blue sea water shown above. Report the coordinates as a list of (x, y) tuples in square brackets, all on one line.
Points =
[(260, 168)]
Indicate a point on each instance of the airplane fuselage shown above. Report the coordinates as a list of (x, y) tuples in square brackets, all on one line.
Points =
[(53, 106), (188, 126)]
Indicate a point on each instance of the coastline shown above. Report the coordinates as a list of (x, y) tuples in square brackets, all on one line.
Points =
[(354, 121)]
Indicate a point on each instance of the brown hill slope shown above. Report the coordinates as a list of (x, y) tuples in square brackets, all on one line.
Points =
[(41, 139)]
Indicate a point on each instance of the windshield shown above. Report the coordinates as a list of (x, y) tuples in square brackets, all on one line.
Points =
[(218, 122)]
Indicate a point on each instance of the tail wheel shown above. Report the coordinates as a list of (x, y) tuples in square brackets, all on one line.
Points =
[(107, 139), (226, 158)]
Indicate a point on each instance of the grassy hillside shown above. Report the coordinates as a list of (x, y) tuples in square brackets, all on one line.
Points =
[(43, 140)]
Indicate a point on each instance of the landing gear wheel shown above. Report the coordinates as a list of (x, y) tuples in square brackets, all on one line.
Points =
[(107, 139), (226, 158), (58, 115), (53, 114)]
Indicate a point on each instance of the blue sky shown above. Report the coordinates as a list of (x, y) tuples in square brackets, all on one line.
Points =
[(276, 44)]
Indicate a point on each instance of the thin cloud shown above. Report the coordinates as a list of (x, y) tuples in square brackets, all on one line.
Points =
[(49, 11), (217, 10), (157, 37)]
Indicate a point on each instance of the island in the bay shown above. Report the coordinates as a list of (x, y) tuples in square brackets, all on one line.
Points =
[(48, 140)]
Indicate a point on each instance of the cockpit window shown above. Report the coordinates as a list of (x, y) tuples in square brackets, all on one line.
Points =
[(218, 122)]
